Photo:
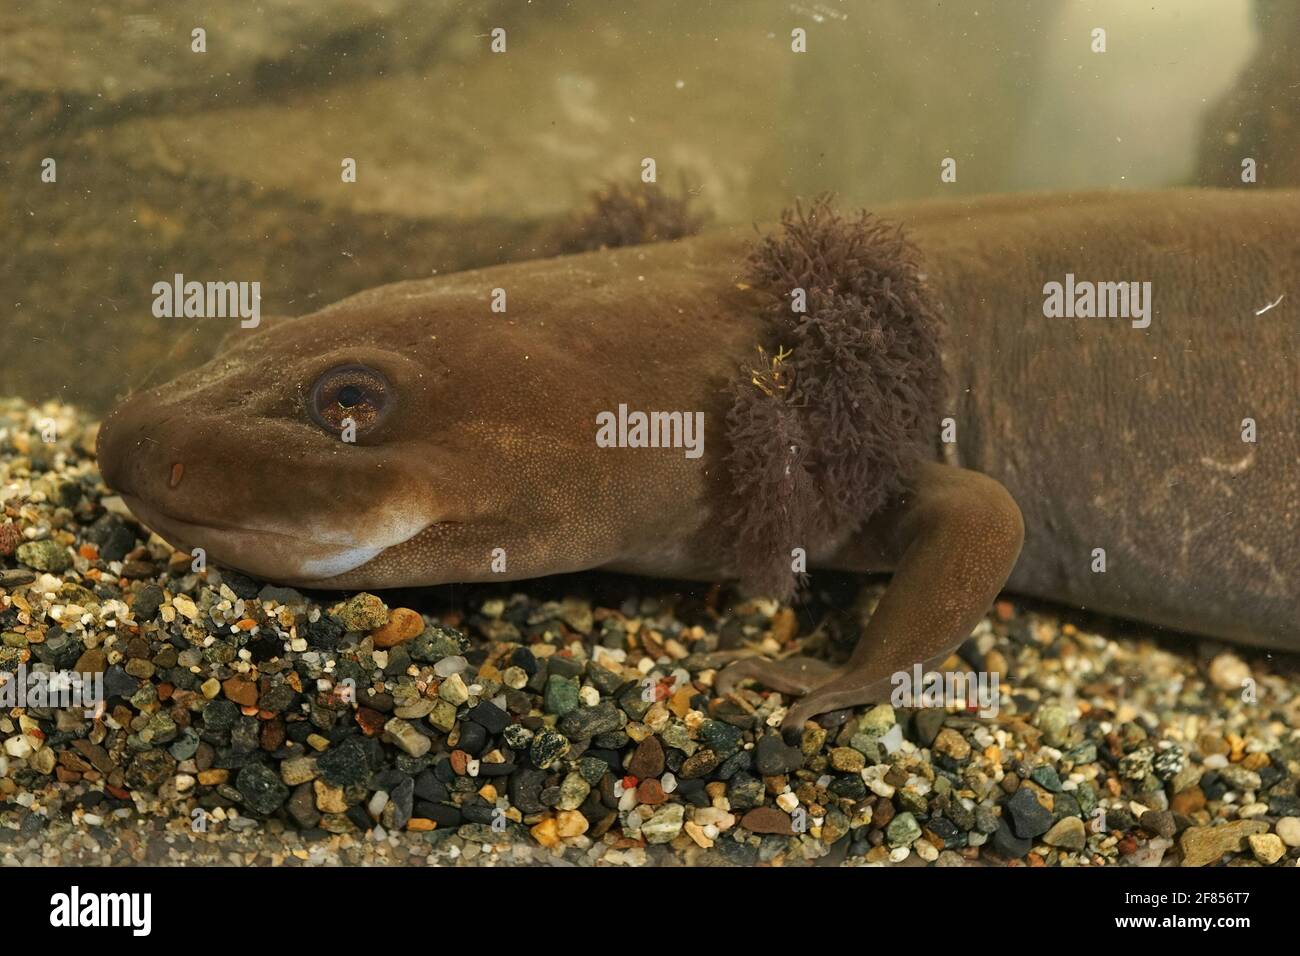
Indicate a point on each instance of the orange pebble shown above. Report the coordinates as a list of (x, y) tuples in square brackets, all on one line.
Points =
[(403, 624)]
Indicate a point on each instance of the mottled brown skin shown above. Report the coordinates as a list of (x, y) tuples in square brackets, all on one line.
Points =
[(1072, 434)]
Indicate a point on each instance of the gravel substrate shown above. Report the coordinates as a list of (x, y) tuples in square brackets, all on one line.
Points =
[(252, 724)]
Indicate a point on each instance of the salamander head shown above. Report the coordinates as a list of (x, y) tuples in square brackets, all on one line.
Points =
[(391, 440)]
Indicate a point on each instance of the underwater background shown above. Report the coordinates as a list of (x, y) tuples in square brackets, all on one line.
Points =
[(226, 164)]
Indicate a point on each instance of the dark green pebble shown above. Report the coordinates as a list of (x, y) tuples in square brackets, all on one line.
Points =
[(1065, 805), (604, 680), (244, 736), (261, 789), (1284, 805), (525, 789), (631, 702), (735, 853), (1046, 777), (558, 666), (737, 762), (722, 738), (277, 699), (586, 722), (118, 683), (1029, 818), (324, 634), (611, 740), (344, 764), (1085, 753), (960, 815), (912, 802), (477, 833), (1120, 820), (147, 601), (745, 792), (591, 769), (437, 642), (429, 787), (1008, 844), (848, 788), (561, 695), (952, 835), (1086, 798)]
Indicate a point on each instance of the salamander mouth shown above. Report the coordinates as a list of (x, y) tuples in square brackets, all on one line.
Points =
[(268, 553)]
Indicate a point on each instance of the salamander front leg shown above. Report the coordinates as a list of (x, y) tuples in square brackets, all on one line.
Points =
[(951, 543)]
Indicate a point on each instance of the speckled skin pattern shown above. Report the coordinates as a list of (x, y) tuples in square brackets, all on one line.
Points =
[(1072, 434)]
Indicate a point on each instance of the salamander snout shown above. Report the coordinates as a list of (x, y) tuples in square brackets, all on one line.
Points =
[(135, 455)]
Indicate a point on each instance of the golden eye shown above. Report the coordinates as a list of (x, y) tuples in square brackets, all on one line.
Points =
[(349, 392)]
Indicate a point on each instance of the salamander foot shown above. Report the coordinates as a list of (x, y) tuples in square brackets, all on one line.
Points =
[(793, 675)]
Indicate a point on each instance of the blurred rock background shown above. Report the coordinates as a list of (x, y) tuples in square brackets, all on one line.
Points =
[(1259, 115), (225, 165)]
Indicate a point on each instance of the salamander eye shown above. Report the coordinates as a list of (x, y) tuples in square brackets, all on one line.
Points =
[(349, 392)]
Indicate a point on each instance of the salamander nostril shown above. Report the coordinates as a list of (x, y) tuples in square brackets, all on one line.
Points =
[(177, 472)]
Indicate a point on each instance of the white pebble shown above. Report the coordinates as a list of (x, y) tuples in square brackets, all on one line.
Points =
[(880, 788), (714, 817), (450, 665), (892, 739)]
